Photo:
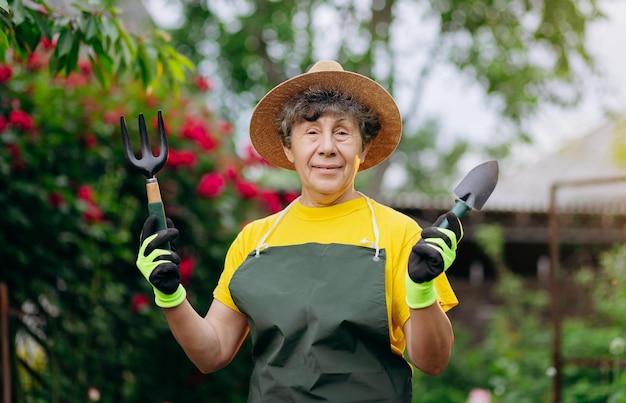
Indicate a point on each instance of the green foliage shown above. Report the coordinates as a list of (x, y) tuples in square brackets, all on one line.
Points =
[(525, 54), (500, 41), (594, 337), (99, 34), (429, 167), (513, 360), (491, 239), (70, 228)]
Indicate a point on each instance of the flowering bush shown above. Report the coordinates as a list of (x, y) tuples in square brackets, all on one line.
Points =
[(72, 213)]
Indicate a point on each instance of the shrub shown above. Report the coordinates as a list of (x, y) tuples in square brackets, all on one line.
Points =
[(72, 212)]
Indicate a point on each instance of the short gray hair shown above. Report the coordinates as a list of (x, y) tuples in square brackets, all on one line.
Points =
[(312, 103)]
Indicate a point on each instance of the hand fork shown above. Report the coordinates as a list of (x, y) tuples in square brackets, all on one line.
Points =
[(148, 164)]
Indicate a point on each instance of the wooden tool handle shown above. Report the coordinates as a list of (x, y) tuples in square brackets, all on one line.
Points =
[(155, 204)]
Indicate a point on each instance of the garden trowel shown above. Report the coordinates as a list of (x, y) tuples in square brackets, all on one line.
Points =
[(474, 189)]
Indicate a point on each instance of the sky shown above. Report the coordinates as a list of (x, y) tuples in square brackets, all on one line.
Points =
[(468, 113), (465, 109), (552, 126)]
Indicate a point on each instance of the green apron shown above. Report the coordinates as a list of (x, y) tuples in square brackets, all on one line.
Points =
[(318, 321)]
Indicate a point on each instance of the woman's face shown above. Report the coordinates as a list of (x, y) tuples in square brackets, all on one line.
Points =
[(327, 154)]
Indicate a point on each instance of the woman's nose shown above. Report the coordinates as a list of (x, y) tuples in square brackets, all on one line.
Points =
[(327, 144)]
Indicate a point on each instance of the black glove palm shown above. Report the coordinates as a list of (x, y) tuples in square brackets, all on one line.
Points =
[(436, 250), (159, 265)]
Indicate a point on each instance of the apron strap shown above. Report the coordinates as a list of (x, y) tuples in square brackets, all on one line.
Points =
[(262, 245), (375, 228)]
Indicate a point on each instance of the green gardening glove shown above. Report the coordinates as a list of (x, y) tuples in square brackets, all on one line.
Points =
[(160, 266), (432, 255)]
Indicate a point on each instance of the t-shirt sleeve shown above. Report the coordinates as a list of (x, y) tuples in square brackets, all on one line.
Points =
[(234, 258), (445, 294)]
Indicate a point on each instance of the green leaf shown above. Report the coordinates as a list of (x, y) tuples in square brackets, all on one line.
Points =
[(26, 37), (4, 46), (5, 23), (19, 13), (42, 24), (72, 57), (56, 64), (91, 28), (145, 65), (166, 66), (4, 6), (124, 54), (104, 61), (177, 71), (124, 36), (182, 59), (64, 44), (97, 70), (108, 29)]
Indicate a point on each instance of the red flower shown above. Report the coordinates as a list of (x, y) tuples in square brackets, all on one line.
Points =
[(272, 201), (76, 80), (55, 199), (21, 120), (16, 154), (36, 62), (177, 159), (90, 140), (112, 117), (246, 190), (155, 124), (48, 44), (194, 129), (252, 157), (208, 143), (84, 66), (140, 303), (290, 196), (5, 73), (93, 214), (230, 173), (203, 84), (187, 267), (85, 193), (225, 127), (211, 185)]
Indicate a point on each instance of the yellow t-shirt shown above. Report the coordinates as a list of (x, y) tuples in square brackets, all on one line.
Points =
[(348, 223)]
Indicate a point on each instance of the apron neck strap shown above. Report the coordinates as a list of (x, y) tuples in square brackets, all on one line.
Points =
[(374, 226), (261, 245)]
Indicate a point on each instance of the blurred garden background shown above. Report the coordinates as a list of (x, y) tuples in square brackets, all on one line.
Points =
[(78, 320)]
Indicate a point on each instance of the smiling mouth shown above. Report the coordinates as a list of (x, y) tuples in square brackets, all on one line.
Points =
[(323, 168)]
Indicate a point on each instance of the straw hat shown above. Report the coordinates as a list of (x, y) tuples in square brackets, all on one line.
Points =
[(328, 74)]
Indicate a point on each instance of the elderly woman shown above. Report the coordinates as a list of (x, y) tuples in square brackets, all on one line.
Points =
[(336, 287)]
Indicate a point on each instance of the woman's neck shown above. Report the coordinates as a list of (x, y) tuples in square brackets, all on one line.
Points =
[(322, 200)]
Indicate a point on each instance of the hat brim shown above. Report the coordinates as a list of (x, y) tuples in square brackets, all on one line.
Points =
[(265, 137)]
